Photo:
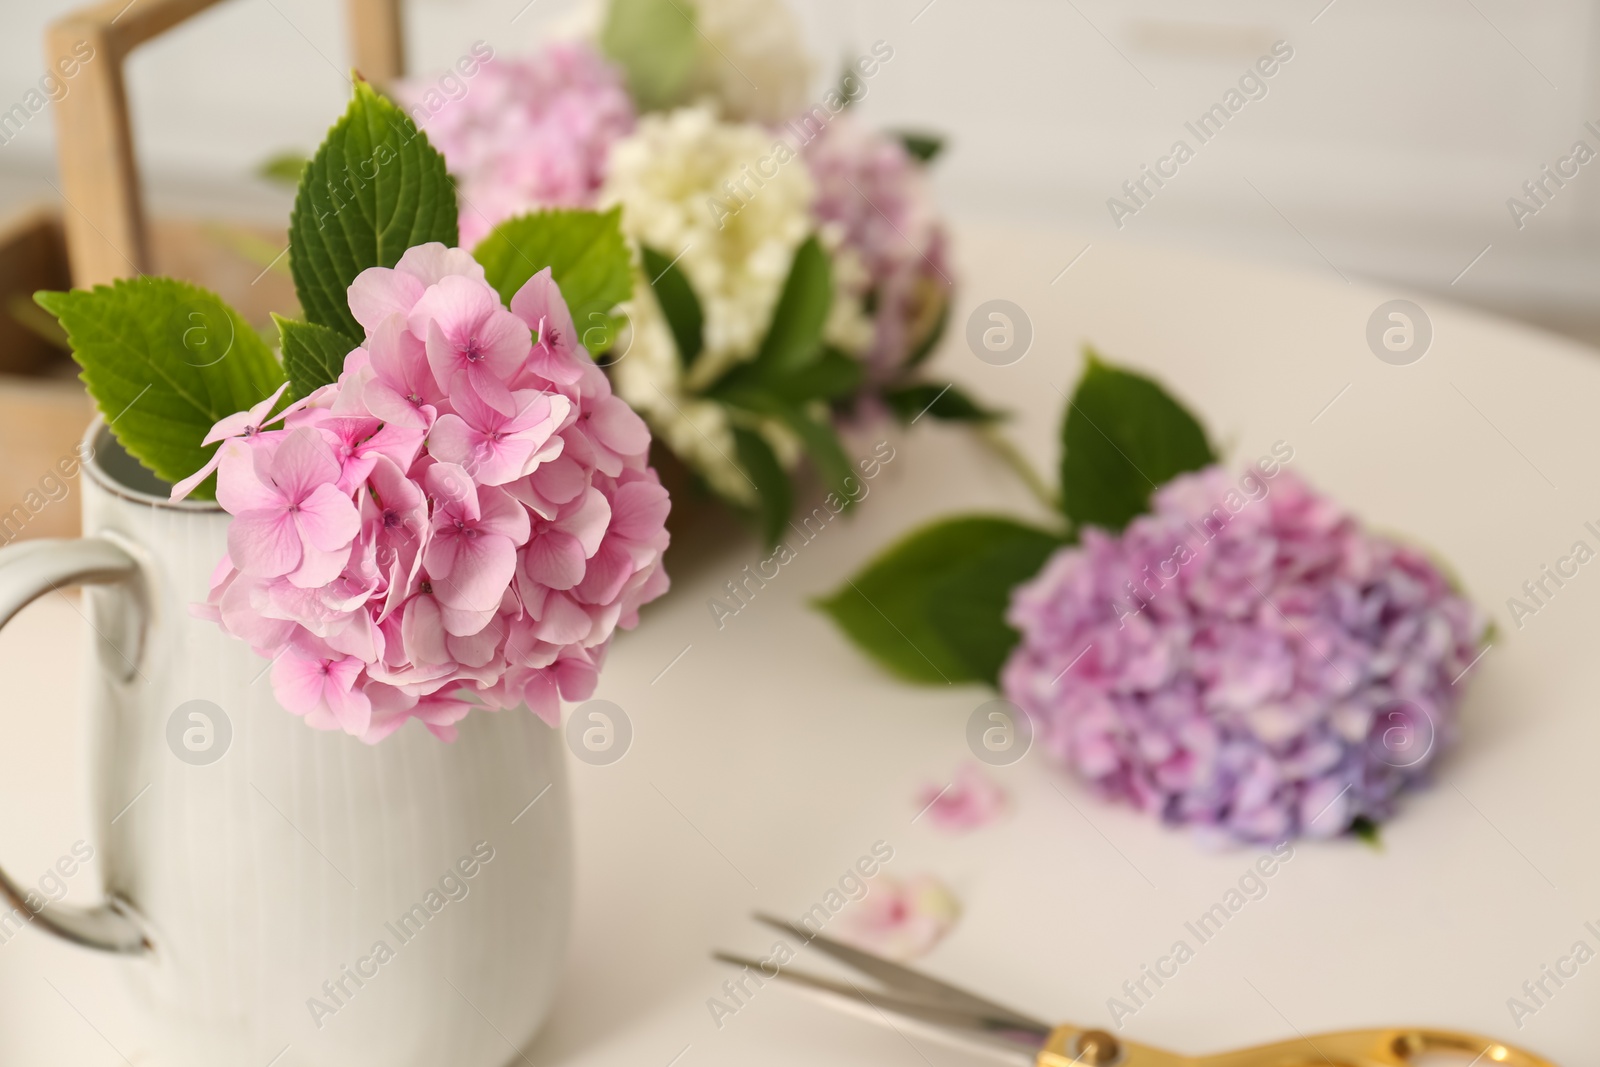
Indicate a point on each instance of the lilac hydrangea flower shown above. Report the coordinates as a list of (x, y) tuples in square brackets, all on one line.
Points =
[(876, 207), (1245, 659), (527, 133)]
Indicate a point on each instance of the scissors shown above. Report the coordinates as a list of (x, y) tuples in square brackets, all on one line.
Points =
[(968, 1020)]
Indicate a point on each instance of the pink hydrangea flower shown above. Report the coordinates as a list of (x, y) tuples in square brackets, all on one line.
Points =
[(499, 447), (468, 334), (243, 424), (1256, 665), (289, 515), (322, 687), (899, 919), (876, 197), (972, 799), (405, 547), (527, 133)]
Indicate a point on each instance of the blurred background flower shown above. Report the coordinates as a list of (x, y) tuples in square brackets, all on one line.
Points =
[(881, 220), (527, 133), (663, 176), (752, 59), (1396, 169)]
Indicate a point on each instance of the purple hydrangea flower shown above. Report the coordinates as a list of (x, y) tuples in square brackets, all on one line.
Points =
[(526, 133), (1245, 659), (875, 199)]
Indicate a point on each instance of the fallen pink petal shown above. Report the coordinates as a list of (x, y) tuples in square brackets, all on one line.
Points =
[(900, 920), (969, 801)]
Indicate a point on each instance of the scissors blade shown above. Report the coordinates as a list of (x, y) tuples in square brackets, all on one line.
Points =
[(940, 1019), (905, 980)]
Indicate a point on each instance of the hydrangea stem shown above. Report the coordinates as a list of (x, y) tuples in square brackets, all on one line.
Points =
[(1007, 452)]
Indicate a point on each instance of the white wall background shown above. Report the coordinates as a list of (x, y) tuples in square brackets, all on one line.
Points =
[(1386, 148)]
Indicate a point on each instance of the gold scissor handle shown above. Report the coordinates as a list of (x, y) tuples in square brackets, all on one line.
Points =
[(1074, 1046)]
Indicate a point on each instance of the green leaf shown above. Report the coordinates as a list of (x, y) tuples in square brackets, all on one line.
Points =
[(678, 303), (587, 257), (249, 245), (283, 168), (1366, 831), (36, 320), (943, 402), (313, 355), (375, 188), (600, 336), (922, 147), (926, 346), (772, 482), (831, 376), (821, 443), (967, 604), (1122, 438), (656, 44), (164, 361), (849, 86), (794, 338), (890, 608), (818, 438)]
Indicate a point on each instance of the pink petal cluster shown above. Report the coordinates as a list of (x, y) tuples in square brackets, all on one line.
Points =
[(972, 799), (462, 519), (528, 133), (872, 190), (1249, 662)]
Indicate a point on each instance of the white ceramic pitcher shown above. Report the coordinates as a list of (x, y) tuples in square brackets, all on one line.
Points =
[(278, 891)]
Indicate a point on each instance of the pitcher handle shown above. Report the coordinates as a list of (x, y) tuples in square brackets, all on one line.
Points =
[(27, 572)]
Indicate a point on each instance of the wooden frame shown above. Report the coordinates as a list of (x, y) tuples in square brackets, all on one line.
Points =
[(102, 229), (377, 39), (106, 230)]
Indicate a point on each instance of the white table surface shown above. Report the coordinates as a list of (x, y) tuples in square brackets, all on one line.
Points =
[(772, 754)]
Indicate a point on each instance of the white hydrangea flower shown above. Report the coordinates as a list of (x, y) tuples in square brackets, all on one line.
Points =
[(690, 189), (731, 203), (849, 328), (752, 59), (648, 377)]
